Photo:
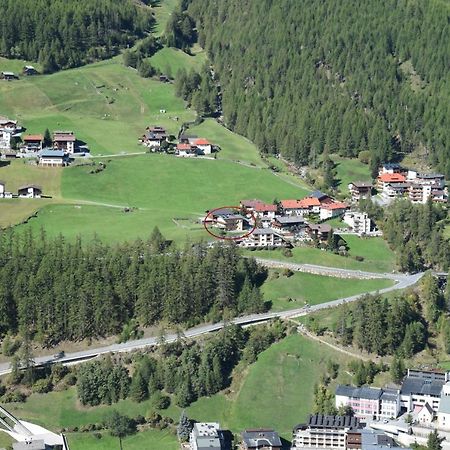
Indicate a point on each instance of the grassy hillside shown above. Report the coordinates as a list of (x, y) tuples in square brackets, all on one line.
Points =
[(163, 187), (350, 170), (304, 288), (276, 391), (106, 104), (172, 60), (377, 255)]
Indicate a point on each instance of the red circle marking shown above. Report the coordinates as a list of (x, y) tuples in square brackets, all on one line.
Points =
[(227, 238)]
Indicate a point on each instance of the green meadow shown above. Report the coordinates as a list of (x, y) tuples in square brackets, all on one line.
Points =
[(378, 257), (162, 187), (300, 288), (350, 170), (170, 60), (106, 104)]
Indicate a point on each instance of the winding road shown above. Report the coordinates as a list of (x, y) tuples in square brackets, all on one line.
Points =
[(402, 281)]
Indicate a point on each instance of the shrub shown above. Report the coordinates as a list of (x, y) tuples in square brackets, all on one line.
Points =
[(14, 396), (364, 156), (42, 386)]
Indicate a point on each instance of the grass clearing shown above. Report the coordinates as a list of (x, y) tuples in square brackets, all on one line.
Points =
[(377, 255), (348, 170), (16, 66), (233, 147), (170, 60), (304, 288)]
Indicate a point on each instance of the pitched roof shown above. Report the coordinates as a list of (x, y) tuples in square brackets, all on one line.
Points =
[(33, 137), (318, 194), (255, 438), (392, 178), (250, 203), (286, 220), (413, 385), (34, 186), (184, 147), (50, 153), (202, 141), (320, 227), (64, 137), (263, 207), (367, 393), (335, 205), (362, 184), (291, 204)]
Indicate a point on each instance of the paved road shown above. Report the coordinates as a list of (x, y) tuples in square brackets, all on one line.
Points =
[(330, 271), (402, 281)]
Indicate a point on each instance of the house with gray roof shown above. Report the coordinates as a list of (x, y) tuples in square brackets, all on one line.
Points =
[(420, 387), (208, 436), (261, 438), (443, 414)]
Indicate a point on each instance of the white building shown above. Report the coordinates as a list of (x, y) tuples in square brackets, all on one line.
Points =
[(330, 210), (52, 158), (369, 402), (443, 414), (2, 188), (207, 436), (263, 238), (324, 432), (359, 222), (420, 387), (204, 146), (30, 191)]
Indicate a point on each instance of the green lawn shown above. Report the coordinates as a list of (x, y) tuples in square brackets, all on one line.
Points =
[(151, 439), (233, 146), (106, 104), (163, 12), (5, 440), (16, 66), (304, 288), (377, 255), (349, 169), (170, 60), (277, 391)]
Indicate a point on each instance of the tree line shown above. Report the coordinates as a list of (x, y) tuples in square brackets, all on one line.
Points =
[(68, 33), (414, 232), (183, 371), (58, 290), (401, 326), (305, 77)]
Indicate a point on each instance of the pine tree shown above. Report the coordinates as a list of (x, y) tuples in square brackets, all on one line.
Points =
[(434, 442), (184, 427)]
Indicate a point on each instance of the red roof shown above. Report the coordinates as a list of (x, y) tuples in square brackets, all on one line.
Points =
[(33, 137), (202, 141), (64, 138), (291, 204), (392, 178), (263, 207), (335, 205), (251, 203), (184, 146)]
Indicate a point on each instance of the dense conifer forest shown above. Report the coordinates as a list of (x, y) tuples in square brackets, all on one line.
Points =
[(307, 77), (68, 33), (55, 290)]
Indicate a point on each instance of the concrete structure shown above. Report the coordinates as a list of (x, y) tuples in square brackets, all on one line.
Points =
[(204, 146), (52, 158), (443, 414), (8, 129), (330, 210), (425, 415), (28, 435), (320, 231), (186, 150), (263, 439), (360, 190), (422, 386), (377, 440), (65, 141), (359, 222), (326, 432), (369, 402), (207, 436), (33, 142), (2, 188), (30, 191), (154, 137), (263, 238)]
